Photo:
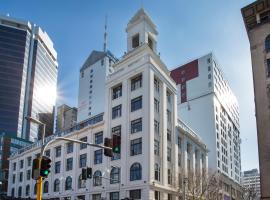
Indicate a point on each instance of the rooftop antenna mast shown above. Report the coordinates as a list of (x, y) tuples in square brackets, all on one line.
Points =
[(105, 35)]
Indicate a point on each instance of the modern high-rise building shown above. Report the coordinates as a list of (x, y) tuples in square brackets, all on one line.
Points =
[(257, 20), (207, 104), (28, 76), (250, 180), (93, 74), (66, 117)]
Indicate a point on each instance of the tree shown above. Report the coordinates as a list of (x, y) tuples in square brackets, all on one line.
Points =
[(249, 193)]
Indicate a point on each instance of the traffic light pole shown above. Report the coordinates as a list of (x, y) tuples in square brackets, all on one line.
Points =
[(43, 148)]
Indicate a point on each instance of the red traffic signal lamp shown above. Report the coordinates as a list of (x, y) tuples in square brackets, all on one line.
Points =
[(108, 143), (35, 169), (116, 144), (45, 166)]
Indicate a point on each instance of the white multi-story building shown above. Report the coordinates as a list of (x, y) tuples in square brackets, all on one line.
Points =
[(66, 117), (207, 104), (250, 180), (157, 149), (91, 98)]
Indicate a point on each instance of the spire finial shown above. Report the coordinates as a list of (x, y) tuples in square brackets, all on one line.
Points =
[(105, 35)]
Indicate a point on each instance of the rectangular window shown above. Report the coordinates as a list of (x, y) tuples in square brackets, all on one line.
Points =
[(13, 178), (169, 97), (179, 142), (57, 167), (169, 117), (69, 147), (169, 154), (136, 125), (96, 196), (156, 84), (179, 159), (135, 40), (98, 156), (135, 194), (83, 160), (156, 105), (28, 175), (69, 164), (157, 195), (156, 147), (116, 111), (268, 67), (48, 153), (21, 177), (14, 166), (169, 196), (99, 138), (114, 195), (136, 82), (136, 103), (21, 164), (156, 126), (57, 151), (29, 161), (136, 147), (117, 92), (83, 146), (169, 177), (169, 135)]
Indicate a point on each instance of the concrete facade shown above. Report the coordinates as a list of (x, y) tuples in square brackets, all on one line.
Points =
[(66, 117), (257, 20)]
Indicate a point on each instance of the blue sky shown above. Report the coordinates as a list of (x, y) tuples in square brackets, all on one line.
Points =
[(187, 30)]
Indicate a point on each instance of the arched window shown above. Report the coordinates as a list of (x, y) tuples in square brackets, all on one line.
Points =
[(56, 185), (12, 192), (97, 179), (157, 172), (35, 189), (68, 185), (81, 183), (267, 43), (115, 175), (135, 172), (27, 190), (46, 187), (20, 192)]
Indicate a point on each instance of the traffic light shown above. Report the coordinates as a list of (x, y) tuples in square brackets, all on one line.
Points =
[(45, 166), (89, 172), (35, 169), (84, 174), (108, 143), (116, 146)]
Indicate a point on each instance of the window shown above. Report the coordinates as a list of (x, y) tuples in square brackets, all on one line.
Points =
[(117, 92), (83, 146), (114, 195), (116, 111), (135, 40), (48, 153), (69, 164), (136, 147), (35, 189), (169, 135), (83, 159), (265, 16), (21, 164), (58, 151), (156, 105), (267, 43), (81, 183), (69, 147), (169, 97), (57, 167), (157, 195), (156, 124), (56, 185), (99, 138), (13, 178), (14, 166), (29, 161), (169, 116), (179, 159), (96, 196), (169, 177), (136, 82), (169, 154), (115, 175), (135, 194), (97, 178), (156, 84), (268, 67), (156, 147), (12, 192), (135, 172), (150, 42), (28, 174), (179, 141), (157, 172), (20, 191), (21, 177), (169, 196), (46, 187), (136, 125), (98, 156), (68, 184), (27, 190), (136, 104)]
